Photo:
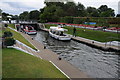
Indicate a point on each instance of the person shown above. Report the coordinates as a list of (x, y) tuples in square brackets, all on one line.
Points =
[(17, 26), (74, 32), (6, 25), (61, 34)]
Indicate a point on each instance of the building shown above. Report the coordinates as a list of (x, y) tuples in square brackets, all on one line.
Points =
[(119, 7)]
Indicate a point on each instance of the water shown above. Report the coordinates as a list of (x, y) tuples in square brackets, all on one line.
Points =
[(94, 62)]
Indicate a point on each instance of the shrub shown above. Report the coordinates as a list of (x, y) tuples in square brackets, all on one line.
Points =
[(78, 20), (9, 41), (7, 34), (67, 19)]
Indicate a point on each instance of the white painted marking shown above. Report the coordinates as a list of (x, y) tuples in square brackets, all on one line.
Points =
[(25, 45), (22, 50), (60, 70)]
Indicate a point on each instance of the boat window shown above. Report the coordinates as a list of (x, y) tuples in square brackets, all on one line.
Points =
[(57, 33), (50, 30), (61, 34), (53, 32), (30, 28)]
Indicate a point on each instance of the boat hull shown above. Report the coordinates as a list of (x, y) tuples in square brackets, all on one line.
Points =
[(62, 38)]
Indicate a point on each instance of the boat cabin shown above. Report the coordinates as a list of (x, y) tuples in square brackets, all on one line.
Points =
[(58, 31)]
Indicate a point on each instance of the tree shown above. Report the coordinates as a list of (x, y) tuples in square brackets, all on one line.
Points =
[(70, 9), (33, 15), (60, 4), (78, 20), (15, 17), (51, 14), (48, 13), (7, 34), (4, 16), (59, 12), (42, 10), (9, 41), (92, 12), (81, 10), (24, 16), (105, 11), (103, 8), (67, 19), (118, 15)]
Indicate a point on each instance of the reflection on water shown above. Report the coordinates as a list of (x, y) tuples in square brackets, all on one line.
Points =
[(94, 62)]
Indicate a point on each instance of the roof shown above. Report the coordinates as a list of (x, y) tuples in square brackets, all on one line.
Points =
[(58, 29)]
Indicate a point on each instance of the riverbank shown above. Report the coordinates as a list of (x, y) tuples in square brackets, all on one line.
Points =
[(96, 44), (63, 65), (90, 34), (46, 54), (93, 43)]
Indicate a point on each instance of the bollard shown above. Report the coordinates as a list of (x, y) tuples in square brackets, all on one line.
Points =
[(59, 58), (44, 47)]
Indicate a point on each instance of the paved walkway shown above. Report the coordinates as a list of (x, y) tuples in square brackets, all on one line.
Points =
[(47, 54), (96, 43)]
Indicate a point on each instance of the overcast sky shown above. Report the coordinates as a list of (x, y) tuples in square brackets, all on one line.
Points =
[(16, 7)]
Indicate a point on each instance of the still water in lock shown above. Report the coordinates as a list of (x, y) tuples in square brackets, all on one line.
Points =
[(94, 62)]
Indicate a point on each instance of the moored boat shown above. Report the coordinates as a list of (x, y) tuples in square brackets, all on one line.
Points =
[(58, 33)]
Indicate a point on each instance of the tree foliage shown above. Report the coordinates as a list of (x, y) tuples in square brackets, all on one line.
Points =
[(92, 12), (53, 11), (105, 11), (9, 41), (118, 15), (67, 19), (34, 15), (8, 34), (4, 16), (81, 10), (24, 15)]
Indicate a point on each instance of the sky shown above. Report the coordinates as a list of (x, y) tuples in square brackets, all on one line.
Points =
[(15, 7)]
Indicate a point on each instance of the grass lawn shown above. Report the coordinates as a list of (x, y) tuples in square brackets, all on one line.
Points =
[(12, 25), (48, 25), (0, 33), (17, 64), (0, 63), (114, 25), (19, 37), (92, 34)]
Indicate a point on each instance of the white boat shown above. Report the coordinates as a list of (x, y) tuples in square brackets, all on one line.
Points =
[(58, 33)]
